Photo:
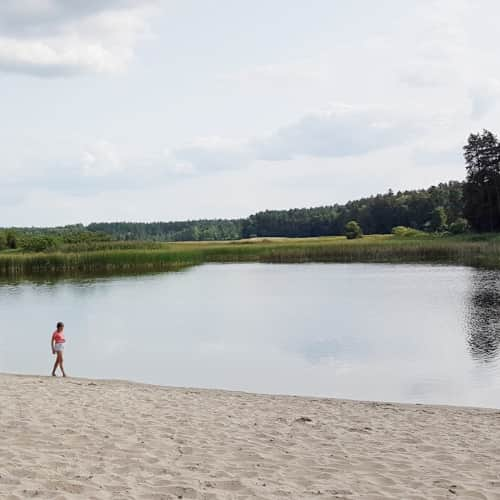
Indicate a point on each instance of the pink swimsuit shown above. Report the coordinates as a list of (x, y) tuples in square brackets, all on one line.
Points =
[(58, 337)]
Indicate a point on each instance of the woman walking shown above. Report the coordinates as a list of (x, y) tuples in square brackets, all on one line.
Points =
[(57, 345)]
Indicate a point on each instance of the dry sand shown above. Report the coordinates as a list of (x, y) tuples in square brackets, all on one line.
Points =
[(76, 438)]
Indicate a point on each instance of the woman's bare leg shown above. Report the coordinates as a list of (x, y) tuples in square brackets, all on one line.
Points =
[(61, 365), (56, 364)]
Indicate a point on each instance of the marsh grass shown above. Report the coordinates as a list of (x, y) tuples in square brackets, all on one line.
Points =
[(135, 257)]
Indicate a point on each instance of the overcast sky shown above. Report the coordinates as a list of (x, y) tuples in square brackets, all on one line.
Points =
[(174, 109)]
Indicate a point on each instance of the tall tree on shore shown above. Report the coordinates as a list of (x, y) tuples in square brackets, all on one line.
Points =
[(482, 186)]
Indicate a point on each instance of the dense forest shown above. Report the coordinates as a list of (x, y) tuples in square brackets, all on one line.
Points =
[(430, 209), (452, 206), (196, 230), (433, 209), (427, 209)]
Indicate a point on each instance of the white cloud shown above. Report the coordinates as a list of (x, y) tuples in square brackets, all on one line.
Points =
[(484, 97), (209, 154), (282, 73), (56, 57), (51, 38), (425, 73), (100, 159), (432, 156), (339, 131), (436, 46)]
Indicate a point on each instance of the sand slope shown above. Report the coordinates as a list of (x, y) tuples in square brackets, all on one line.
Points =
[(76, 438)]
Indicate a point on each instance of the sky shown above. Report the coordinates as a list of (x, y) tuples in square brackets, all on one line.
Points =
[(147, 110)]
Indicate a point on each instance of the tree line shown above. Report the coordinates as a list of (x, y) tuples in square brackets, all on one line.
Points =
[(425, 209), (453, 206), (435, 209), (432, 209), (191, 230)]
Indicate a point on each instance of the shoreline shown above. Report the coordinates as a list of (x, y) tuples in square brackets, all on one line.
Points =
[(92, 438), (304, 397)]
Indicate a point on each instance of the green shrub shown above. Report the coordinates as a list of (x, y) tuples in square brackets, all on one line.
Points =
[(11, 238), (40, 243), (353, 230), (459, 226), (3, 240), (438, 222), (406, 232)]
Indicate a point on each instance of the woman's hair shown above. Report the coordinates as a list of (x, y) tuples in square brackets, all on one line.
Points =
[(60, 324)]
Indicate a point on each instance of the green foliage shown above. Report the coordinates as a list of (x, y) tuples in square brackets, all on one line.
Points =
[(3, 240), (11, 239), (200, 230), (83, 236), (353, 230), (40, 243), (376, 214), (459, 226), (482, 187), (406, 232), (438, 221), (44, 240)]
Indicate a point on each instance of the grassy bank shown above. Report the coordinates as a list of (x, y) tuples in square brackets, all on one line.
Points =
[(110, 257)]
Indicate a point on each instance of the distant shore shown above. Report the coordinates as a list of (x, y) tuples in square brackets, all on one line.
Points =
[(136, 257), (79, 438)]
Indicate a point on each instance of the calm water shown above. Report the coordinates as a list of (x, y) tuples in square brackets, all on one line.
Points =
[(412, 333)]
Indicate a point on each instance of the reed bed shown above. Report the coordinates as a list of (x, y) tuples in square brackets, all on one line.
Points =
[(174, 256), (93, 262)]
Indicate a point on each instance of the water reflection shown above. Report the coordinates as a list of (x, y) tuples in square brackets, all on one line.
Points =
[(483, 315)]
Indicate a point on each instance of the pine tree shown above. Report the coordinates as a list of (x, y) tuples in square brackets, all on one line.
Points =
[(482, 187)]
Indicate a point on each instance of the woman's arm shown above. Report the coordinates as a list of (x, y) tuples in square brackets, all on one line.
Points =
[(52, 344)]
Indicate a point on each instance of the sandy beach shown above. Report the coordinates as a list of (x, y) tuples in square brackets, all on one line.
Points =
[(93, 439)]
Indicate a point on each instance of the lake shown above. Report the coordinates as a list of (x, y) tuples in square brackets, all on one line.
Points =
[(405, 333)]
